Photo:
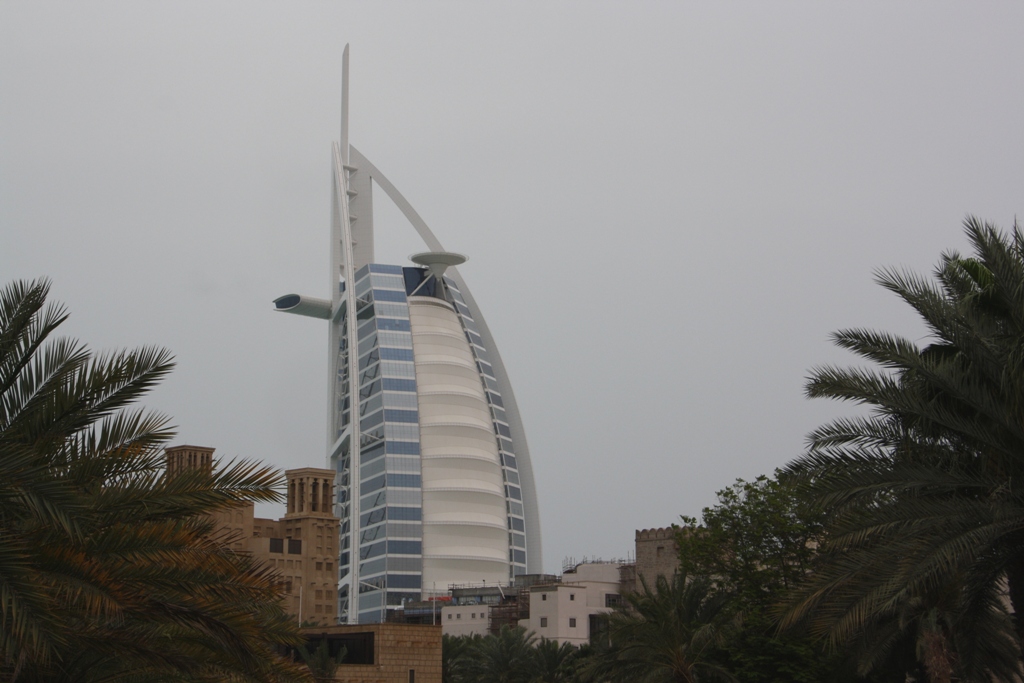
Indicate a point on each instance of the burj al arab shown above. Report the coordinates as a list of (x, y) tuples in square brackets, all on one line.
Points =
[(433, 474)]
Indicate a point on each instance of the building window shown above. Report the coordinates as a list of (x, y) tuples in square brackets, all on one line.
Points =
[(543, 596), (543, 622), (449, 616), (277, 545), (572, 622), (472, 615), (319, 566), (458, 616), (572, 596)]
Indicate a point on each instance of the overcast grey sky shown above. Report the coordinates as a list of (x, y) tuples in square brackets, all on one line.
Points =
[(667, 206)]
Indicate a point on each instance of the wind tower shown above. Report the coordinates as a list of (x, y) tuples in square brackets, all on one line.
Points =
[(434, 481)]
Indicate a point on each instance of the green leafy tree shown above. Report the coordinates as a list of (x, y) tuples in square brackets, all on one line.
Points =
[(109, 570), (760, 539), (926, 491), (672, 634), (758, 542)]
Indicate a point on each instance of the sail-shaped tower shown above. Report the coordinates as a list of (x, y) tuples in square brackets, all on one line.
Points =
[(434, 481)]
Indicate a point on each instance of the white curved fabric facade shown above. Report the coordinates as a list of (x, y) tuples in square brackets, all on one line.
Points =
[(464, 518)]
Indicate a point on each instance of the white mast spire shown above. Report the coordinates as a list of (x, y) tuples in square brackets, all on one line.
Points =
[(344, 106)]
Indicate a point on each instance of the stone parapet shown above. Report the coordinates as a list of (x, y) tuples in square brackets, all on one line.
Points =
[(401, 652)]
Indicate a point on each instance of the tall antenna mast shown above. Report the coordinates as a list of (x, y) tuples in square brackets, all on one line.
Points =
[(344, 106)]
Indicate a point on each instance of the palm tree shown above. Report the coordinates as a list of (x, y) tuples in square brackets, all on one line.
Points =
[(555, 663), (455, 651), (926, 491), (322, 665), (109, 570), (506, 657), (669, 635)]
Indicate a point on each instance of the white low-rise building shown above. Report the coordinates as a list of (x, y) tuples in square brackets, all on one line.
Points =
[(569, 611), (465, 620)]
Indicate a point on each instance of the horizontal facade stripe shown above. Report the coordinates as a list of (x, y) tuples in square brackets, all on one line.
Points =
[(474, 558), (490, 525), (465, 489), (448, 361)]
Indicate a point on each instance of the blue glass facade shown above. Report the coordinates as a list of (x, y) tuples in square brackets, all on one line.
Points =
[(386, 539)]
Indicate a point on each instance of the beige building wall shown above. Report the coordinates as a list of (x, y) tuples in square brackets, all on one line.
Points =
[(302, 546), (657, 554), (186, 458), (236, 526), (465, 620), (402, 653), (305, 552), (562, 611)]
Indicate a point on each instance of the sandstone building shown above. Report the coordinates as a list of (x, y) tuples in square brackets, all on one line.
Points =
[(382, 653), (301, 546), (657, 554)]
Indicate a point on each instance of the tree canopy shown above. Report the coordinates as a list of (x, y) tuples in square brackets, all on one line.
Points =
[(671, 632), (760, 538), (110, 570), (926, 532), (758, 541)]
